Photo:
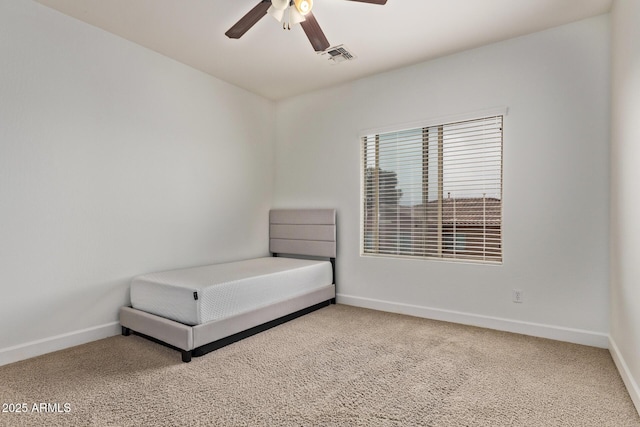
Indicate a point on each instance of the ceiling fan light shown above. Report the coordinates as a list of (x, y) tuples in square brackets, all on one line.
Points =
[(295, 17), (278, 14), (303, 6)]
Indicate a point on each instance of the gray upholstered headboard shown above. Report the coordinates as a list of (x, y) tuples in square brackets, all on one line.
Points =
[(310, 232)]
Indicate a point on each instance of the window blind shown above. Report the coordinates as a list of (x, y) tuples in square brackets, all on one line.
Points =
[(434, 192)]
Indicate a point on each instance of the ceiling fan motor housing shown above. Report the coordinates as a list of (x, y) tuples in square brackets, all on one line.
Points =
[(280, 4)]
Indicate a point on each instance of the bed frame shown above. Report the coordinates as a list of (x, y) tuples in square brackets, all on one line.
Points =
[(301, 232)]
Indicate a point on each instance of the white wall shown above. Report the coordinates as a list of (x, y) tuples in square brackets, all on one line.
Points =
[(625, 197), (114, 161), (556, 87)]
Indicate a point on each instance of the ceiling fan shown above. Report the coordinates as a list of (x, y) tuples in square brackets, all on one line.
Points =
[(290, 12)]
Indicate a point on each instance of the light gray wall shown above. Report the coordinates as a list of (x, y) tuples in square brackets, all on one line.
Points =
[(625, 196), (556, 86), (115, 161)]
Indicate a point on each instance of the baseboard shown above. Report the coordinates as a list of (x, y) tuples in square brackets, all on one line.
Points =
[(59, 342), (632, 386), (577, 336)]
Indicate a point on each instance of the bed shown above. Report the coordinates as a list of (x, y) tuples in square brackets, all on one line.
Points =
[(198, 310)]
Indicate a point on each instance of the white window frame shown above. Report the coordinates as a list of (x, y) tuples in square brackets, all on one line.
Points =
[(456, 245)]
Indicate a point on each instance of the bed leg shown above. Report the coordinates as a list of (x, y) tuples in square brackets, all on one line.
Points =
[(126, 331), (333, 271), (186, 356)]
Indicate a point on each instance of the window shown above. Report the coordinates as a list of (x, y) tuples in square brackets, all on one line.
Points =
[(434, 192)]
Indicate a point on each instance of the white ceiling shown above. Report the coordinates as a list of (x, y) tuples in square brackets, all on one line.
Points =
[(278, 64)]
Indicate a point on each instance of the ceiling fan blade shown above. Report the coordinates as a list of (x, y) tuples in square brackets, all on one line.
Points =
[(314, 33), (248, 20), (380, 2)]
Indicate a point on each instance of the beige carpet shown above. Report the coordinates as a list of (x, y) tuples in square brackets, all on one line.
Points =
[(339, 366)]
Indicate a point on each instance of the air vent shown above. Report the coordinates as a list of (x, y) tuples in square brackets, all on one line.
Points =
[(339, 54)]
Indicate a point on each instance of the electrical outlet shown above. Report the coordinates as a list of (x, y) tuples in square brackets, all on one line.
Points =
[(517, 295)]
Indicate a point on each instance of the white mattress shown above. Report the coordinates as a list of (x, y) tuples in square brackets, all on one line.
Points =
[(223, 290)]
